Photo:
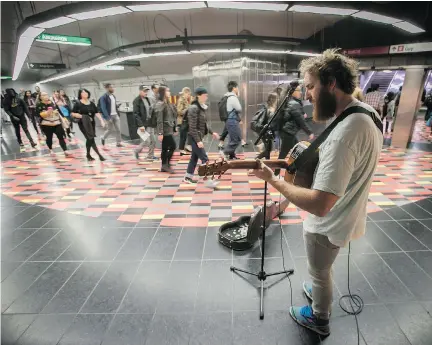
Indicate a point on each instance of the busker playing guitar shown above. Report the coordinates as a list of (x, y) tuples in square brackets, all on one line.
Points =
[(337, 199)]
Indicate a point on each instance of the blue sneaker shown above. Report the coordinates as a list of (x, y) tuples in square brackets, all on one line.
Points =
[(307, 289), (305, 317)]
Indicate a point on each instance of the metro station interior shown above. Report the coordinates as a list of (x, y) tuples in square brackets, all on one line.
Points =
[(120, 251)]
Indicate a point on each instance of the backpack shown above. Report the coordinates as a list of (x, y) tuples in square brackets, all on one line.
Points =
[(222, 106), (258, 120)]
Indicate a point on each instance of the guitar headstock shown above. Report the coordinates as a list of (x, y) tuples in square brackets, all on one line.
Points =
[(212, 169)]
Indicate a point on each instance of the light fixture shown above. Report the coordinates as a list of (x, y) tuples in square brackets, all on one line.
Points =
[(261, 6), (24, 45), (302, 53), (204, 51), (264, 51), (375, 17), (168, 6), (70, 74), (55, 22), (105, 12), (110, 68), (408, 27), (322, 10), (5, 77), (182, 52), (386, 71)]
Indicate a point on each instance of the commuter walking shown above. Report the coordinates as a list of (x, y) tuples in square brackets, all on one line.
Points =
[(109, 110), (182, 107), (233, 122)]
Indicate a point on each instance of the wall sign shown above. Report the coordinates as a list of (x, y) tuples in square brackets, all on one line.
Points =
[(411, 48), (63, 39), (37, 65), (132, 63), (367, 51)]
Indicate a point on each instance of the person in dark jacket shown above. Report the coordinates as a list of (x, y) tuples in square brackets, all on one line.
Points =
[(108, 108), (141, 110), (31, 105), (267, 139), (16, 108), (198, 128), (291, 121), (166, 126)]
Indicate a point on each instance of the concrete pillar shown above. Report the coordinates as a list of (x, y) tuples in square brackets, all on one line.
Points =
[(408, 106)]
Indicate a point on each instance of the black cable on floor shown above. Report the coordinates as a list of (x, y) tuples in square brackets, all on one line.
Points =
[(353, 299)]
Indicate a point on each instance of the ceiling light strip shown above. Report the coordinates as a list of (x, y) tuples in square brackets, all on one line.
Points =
[(105, 12), (168, 6), (260, 6), (375, 17), (322, 10)]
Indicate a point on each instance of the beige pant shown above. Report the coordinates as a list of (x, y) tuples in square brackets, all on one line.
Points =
[(321, 254)]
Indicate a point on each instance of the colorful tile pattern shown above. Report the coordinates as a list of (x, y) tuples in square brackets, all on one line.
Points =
[(136, 192)]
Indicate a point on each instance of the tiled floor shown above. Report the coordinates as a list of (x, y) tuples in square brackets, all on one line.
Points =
[(76, 279)]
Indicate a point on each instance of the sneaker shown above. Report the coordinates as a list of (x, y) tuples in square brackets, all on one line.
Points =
[(136, 154), (71, 135), (307, 289), (221, 146), (33, 144), (189, 180), (167, 169), (120, 145), (233, 158), (67, 154), (211, 183), (305, 317), (188, 148), (103, 141), (184, 153)]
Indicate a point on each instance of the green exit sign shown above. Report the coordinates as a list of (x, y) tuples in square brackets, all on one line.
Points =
[(63, 39)]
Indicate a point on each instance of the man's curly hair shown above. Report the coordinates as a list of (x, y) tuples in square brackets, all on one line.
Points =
[(331, 65)]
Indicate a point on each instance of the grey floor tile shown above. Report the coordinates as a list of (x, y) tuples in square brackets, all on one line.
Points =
[(25, 216), (164, 244), (411, 275), (13, 326), (215, 292), (39, 220), (20, 280), (84, 245), (110, 244), (41, 292), (74, 293), (136, 245), (379, 216), (191, 244), (379, 240), (13, 239), (87, 329), (384, 282), (416, 211), (31, 245), (46, 330), (420, 230), (398, 213), (180, 290), (54, 248), (7, 268), (379, 328), (111, 289), (277, 328), (414, 321), (169, 329), (424, 259), (358, 283), (128, 329), (294, 237), (401, 237), (212, 329), (343, 331), (146, 289), (213, 249)]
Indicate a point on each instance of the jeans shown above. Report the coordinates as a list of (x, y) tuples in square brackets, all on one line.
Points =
[(321, 254), (49, 131), (150, 142), (183, 137), (113, 126), (168, 148), (197, 153), (22, 123), (233, 127), (32, 116)]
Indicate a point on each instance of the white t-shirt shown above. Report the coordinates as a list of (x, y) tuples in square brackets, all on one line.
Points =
[(347, 162), (113, 105)]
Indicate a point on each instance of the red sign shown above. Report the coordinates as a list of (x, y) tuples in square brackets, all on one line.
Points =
[(367, 51)]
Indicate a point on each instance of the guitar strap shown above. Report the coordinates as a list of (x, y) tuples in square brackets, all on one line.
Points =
[(312, 149)]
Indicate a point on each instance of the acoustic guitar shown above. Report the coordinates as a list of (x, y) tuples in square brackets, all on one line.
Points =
[(302, 176)]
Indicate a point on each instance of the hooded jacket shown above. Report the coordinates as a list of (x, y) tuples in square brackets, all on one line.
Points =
[(14, 106), (292, 119)]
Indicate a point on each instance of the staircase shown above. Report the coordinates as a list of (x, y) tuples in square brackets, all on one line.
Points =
[(383, 79)]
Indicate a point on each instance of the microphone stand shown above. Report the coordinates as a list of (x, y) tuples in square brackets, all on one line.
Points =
[(262, 275)]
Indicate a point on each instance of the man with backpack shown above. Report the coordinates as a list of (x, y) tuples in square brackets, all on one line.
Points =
[(142, 109), (230, 110)]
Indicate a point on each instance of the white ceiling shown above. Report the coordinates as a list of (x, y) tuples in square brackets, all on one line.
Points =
[(111, 32)]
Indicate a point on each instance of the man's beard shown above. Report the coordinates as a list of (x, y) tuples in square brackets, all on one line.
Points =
[(325, 106)]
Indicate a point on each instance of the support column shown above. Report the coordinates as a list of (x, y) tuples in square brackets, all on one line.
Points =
[(408, 105)]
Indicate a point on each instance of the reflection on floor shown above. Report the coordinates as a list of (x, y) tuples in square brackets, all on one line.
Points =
[(122, 254)]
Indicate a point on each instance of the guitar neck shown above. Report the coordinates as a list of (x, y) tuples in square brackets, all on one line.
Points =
[(252, 164)]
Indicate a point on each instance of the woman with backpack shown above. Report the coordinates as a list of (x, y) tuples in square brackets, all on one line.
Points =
[(263, 116), (197, 130), (166, 116), (389, 109)]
